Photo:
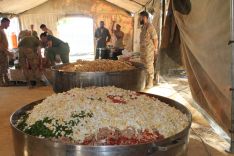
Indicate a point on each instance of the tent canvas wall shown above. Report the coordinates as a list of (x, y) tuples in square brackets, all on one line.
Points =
[(205, 33), (52, 11)]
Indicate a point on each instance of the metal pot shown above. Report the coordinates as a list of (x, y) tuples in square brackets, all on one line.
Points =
[(26, 145), (131, 80)]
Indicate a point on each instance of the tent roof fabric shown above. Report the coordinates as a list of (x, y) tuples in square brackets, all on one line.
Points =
[(19, 6), (129, 5)]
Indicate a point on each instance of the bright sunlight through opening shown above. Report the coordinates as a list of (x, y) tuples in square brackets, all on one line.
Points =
[(78, 32)]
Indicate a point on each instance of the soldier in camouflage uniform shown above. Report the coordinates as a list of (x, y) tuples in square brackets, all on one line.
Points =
[(30, 59), (148, 47), (54, 47), (4, 53), (22, 34)]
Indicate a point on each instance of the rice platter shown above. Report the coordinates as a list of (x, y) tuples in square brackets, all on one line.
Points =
[(102, 116)]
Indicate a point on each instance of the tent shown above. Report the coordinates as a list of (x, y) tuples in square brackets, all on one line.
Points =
[(203, 27)]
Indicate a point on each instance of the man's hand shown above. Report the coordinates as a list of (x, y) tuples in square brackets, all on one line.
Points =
[(155, 51), (98, 38), (49, 44)]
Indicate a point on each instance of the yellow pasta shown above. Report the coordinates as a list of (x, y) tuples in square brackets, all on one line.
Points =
[(97, 66)]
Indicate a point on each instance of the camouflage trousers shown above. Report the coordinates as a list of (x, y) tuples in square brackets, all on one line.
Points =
[(3, 68), (63, 51), (148, 61), (30, 62)]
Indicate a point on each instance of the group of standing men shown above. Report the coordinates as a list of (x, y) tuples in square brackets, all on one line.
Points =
[(30, 54), (29, 47), (148, 44), (103, 36)]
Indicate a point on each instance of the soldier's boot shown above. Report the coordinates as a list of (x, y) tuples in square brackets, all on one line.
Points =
[(6, 80), (1, 81), (149, 83), (29, 84), (38, 76), (39, 83)]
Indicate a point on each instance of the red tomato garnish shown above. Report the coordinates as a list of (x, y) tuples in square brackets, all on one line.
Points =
[(114, 99)]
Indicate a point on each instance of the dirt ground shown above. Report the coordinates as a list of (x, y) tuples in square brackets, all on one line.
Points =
[(203, 140)]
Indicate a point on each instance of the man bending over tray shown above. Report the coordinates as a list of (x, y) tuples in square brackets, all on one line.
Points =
[(55, 46)]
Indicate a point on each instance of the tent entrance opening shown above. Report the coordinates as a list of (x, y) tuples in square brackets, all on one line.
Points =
[(78, 32)]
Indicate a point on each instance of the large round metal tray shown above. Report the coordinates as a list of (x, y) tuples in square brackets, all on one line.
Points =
[(26, 145), (131, 79)]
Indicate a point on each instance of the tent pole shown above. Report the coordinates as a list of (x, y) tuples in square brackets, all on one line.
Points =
[(231, 149)]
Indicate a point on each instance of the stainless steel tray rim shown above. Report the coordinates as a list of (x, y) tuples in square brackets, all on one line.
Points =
[(53, 68), (85, 147)]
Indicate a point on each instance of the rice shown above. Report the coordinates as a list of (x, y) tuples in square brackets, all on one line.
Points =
[(108, 107), (97, 66)]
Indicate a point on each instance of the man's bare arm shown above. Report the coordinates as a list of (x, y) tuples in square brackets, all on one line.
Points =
[(155, 41), (112, 28)]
